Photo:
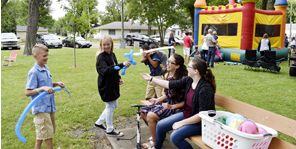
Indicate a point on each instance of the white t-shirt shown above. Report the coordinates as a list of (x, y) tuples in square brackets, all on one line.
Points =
[(264, 45), (293, 43), (204, 44)]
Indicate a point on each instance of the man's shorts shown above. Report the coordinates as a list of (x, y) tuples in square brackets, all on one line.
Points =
[(186, 51), (45, 125), (153, 89)]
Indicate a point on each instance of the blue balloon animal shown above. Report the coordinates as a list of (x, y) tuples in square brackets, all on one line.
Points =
[(25, 112), (130, 56)]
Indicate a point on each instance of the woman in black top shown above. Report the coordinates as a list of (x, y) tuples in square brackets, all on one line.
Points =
[(199, 96)]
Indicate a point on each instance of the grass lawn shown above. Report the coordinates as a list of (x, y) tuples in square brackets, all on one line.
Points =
[(271, 91)]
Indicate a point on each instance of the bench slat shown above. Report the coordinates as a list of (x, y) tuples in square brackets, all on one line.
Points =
[(264, 117), (198, 141)]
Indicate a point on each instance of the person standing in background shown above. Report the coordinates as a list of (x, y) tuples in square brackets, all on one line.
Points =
[(172, 38), (211, 43), (264, 45), (186, 47)]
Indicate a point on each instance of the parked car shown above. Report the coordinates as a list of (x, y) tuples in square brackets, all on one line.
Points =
[(9, 41), (130, 38), (49, 40), (80, 42), (179, 41)]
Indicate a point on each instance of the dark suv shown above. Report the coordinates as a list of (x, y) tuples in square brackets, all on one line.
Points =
[(130, 38), (49, 40)]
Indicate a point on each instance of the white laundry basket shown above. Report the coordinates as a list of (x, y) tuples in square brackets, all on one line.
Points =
[(220, 136)]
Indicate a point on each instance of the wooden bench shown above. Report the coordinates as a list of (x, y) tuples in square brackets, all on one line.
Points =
[(280, 123)]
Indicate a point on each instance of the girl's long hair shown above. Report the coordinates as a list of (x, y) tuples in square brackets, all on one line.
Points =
[(101, 50), (172, 35), (203, 70), (179, 74)]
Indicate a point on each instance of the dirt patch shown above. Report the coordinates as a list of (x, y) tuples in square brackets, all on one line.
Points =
[(99, 139)]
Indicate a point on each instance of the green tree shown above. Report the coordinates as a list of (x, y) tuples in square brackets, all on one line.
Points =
[(79, 17), (161, 14), (113, 12), (289, 11), (9, 12)]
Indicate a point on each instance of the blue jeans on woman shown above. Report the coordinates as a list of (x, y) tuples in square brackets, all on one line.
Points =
[(169, 51), (178, 136), (211, 56)]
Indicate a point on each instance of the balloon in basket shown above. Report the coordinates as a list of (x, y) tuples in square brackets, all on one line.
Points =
[(222, 119), (233, 116), (235, 123), (248, 127), (261, 130)]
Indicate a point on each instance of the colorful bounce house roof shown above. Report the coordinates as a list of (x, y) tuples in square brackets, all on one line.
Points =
[(241, 27)]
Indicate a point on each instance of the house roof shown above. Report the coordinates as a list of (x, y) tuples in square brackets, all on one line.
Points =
[(24, 28), (127, 25)]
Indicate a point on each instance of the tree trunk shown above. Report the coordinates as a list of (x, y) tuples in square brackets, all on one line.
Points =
[(149, 27), (270, 4), (32, 26), (264, 4), (192, 11)]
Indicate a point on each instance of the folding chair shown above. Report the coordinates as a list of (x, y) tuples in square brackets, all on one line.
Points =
[(250, 61), (268, 62), (11, 58)]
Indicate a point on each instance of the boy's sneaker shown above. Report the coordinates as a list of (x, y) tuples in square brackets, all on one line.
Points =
[(114, 133), (101, 126)]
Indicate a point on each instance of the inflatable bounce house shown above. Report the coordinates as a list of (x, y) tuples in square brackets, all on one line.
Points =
[(242, 27)]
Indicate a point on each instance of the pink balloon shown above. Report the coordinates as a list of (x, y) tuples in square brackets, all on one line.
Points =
[(261, 130), (248, 127)]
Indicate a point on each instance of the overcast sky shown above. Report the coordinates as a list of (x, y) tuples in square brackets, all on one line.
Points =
[(58, 12)]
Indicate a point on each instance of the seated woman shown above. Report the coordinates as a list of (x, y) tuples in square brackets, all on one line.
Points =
[(170, 103), (200, 88)]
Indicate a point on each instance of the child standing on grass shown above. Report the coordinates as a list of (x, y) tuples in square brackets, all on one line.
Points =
[(195, 52), (108, 83), (152, 59), (217, 46), (40, 79)]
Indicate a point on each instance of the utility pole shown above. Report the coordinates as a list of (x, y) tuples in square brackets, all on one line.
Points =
[(122, 41), (291, 21)]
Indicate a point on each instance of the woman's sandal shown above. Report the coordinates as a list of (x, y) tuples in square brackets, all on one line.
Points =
[(149, 139), (148, 145)]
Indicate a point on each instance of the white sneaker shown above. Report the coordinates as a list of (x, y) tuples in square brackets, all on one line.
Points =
[(114, 133)]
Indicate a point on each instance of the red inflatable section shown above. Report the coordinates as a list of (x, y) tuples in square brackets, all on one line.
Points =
[(247, 26)]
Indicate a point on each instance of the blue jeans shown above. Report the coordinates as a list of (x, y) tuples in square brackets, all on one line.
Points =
[(204, 53), (178, 136), (211, 55), (169, 51)]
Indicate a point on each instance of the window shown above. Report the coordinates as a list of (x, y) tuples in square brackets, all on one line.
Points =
[(178, 33), (111, 32), (229, 29), (271, 30), (136, 31)]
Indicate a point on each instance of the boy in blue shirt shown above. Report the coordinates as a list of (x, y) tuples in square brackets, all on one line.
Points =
[(40, 79), (152, 59)]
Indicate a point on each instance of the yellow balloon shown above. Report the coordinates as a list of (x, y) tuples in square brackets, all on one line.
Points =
[(235, 123)]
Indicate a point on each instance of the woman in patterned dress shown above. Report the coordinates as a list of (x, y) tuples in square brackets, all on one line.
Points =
[(170, 103)]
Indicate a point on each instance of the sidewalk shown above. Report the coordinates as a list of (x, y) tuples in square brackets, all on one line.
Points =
[(145, 134)]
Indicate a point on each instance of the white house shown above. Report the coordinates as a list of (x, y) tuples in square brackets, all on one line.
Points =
[(293, 30), (114, 29), (21, 31)]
